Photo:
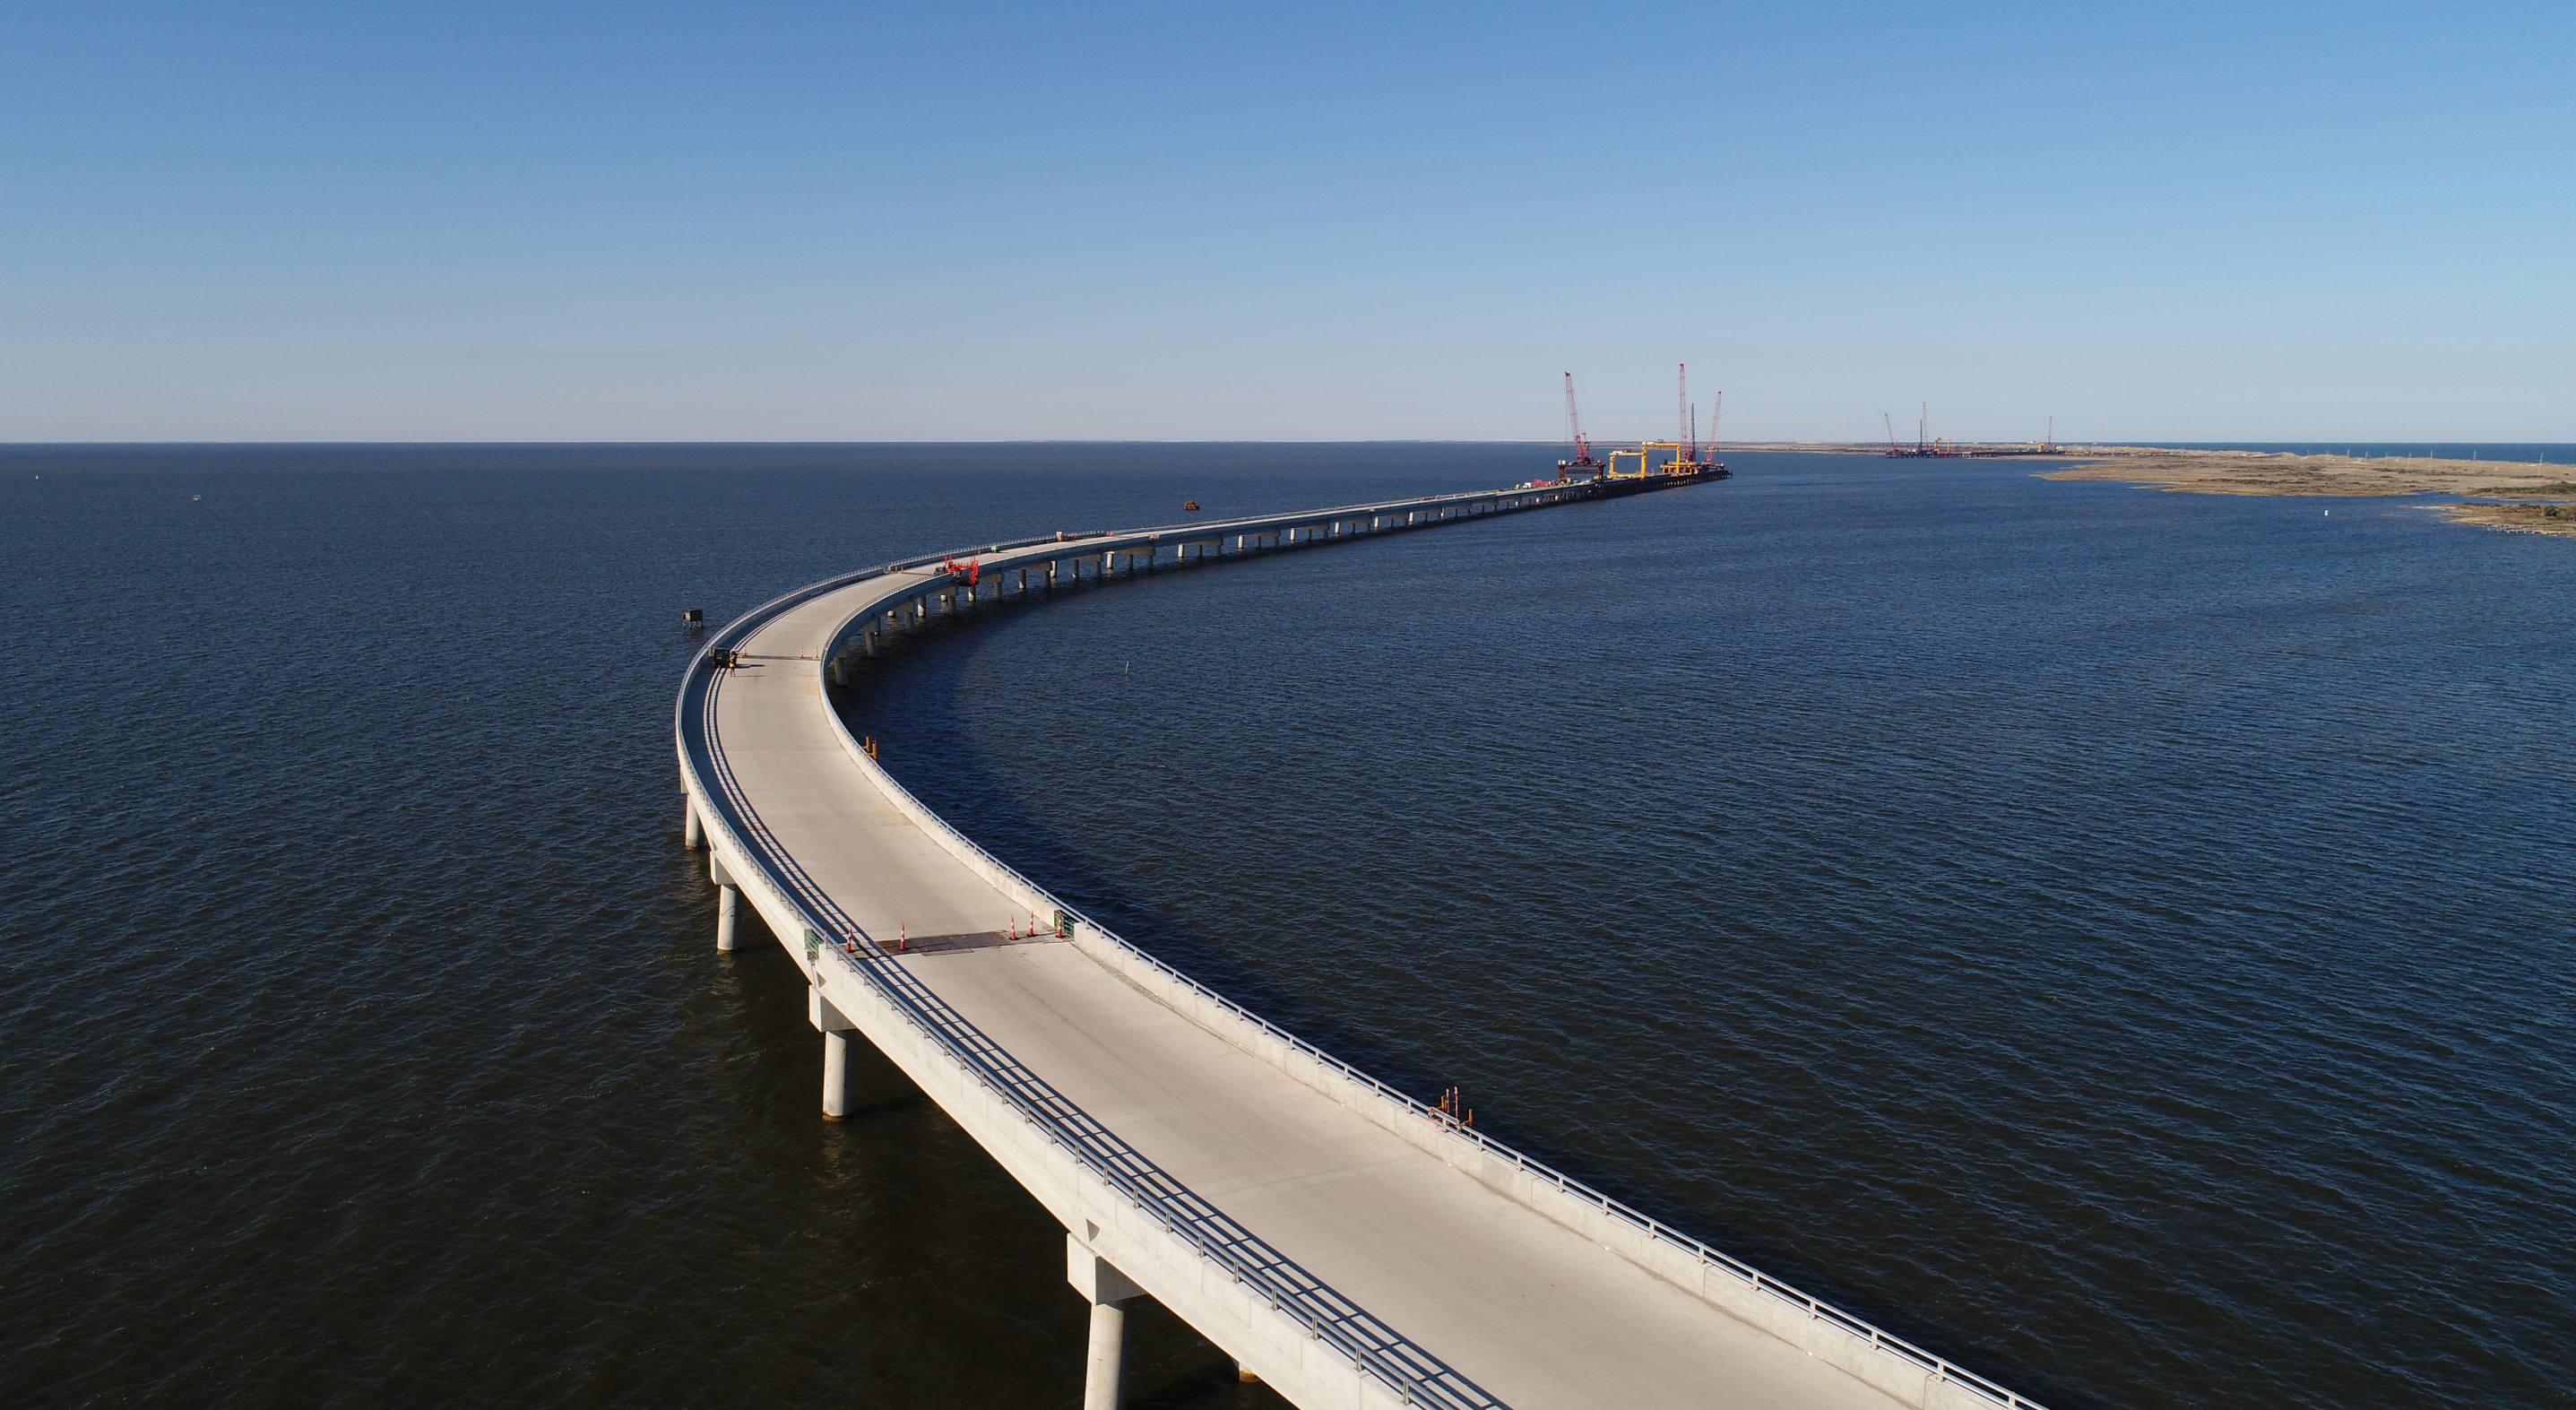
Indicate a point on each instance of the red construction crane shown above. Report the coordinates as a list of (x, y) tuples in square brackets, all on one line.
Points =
[(1583, 456)]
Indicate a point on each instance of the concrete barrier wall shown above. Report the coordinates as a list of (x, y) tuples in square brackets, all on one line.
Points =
[(1913, 1376), (1269, 1341), (1252, 1324)]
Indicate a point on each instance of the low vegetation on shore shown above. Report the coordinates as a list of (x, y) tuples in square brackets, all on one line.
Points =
[(2532, 498)]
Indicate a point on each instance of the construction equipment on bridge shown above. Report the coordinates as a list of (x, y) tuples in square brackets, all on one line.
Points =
[(1659, 463), (1928, 447), (1925, 447), (1583, 459)]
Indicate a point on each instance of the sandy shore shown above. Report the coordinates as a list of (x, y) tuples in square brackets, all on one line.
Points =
[(2528, 498)]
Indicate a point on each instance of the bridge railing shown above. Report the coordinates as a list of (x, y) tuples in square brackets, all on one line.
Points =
[(1413, 1372), (1814, 1307), (1940, 1368), (1416, 1375)]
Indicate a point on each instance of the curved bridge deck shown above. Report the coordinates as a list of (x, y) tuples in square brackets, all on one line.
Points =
[(1345, 1243)]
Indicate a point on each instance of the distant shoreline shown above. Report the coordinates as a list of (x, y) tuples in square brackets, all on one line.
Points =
[(2519, 496), (2522, 497)]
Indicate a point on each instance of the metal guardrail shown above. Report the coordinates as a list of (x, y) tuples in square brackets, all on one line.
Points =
[(1654, 1228), (1414, 1373)]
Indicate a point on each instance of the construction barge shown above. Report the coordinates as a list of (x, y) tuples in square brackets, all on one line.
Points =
[(1660, 464)]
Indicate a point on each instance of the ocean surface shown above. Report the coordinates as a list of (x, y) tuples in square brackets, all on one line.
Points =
[(2120, 940)]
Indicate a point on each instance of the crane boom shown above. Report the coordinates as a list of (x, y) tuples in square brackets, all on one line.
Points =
[(1583, 459), (1574, 420), (1681, 371)]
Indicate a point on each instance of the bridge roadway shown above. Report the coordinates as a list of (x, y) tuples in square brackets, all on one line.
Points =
[(1346, 1244)]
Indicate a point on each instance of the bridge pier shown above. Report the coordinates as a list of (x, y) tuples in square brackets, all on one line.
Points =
[(836, 1052), (693, 834), (1108, 1291), (728, 901), (1107, 1364), (836, 1076)]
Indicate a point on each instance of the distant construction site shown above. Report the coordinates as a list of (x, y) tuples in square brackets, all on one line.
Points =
[(1928, 447)]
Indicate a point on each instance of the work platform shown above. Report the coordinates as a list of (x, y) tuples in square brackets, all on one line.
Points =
[(1350, 1246)]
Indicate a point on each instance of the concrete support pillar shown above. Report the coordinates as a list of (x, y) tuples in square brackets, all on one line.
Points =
[(835, 1029), (836, 1075), (1106, 1368), (693, 834), (728, 906), (1108, 1291)]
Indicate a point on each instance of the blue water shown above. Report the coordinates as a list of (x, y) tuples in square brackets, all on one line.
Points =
[(2118, 939)]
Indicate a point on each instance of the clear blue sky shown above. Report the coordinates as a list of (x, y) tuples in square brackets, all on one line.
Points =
[(476, 221)]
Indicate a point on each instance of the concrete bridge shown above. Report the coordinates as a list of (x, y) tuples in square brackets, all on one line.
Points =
[(1347, 1244)]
